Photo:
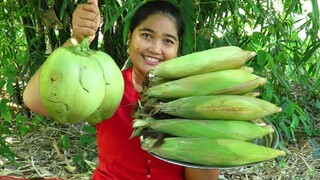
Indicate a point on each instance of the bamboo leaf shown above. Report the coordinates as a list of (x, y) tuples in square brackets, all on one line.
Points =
[(115, 17), (261, 57), (316, 21), (63, 8), (256, 8), (291, 8), (307, 55), (127, 20)]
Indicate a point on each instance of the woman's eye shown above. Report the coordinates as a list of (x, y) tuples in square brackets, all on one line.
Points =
[(146, 35), (168, 41)]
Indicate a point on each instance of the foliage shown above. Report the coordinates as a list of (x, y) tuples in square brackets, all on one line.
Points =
[(285, 35)]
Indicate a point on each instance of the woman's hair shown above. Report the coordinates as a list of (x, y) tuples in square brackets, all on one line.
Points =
[(155, 7)]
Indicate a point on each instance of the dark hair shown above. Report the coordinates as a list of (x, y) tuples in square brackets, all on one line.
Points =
[(154, 7)]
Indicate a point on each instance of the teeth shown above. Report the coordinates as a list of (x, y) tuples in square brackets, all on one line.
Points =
[(152, 59)]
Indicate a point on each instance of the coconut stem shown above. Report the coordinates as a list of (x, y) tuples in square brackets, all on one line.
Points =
[(84, 46)]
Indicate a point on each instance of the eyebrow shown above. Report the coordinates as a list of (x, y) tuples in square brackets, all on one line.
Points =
[(152, 31)]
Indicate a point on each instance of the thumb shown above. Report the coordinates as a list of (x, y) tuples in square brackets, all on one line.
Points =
[(95, 2)]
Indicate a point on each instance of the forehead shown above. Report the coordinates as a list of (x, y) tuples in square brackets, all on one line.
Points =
[(160, 23)]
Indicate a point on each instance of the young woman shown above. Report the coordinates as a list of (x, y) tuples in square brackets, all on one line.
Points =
[(154, 37)]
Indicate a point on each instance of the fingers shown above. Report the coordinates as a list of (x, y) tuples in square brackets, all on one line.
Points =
[(85, 21), (95, 2), (91, 7)]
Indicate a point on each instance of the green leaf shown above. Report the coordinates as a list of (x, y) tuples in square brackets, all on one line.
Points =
[(2, 83), (318, 104), (256, 39), (89, 129), (115, 17), (261, 57), (23, 129), (65, 140), (306, 125), (5, 111), (285, 128), (295, 122), (268, 91), (291, 8), (6, 152), (20, 119), (10, 86), (289, 109), (315, 18), (255, 8), (202, 43), (316, 148), (127, 21), (307, 54), (84, 140), (63, 9)]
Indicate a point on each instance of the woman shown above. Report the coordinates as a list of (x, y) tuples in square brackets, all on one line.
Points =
[(154, 37)]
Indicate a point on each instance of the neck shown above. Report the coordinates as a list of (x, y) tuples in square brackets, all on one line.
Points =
[(137, 81)]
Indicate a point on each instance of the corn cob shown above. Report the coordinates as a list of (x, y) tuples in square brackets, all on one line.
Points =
[(211, 152), (247, 69), (234, 107), (228, 57), (150, 80), (227, 129), (231, 81), (252, 94)]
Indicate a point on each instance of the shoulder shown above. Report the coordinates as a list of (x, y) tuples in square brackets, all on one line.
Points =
[(127, 72)]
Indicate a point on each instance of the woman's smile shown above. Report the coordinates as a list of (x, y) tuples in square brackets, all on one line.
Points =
[(151, 60)]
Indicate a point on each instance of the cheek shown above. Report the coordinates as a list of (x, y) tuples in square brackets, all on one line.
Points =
[(170, 54)]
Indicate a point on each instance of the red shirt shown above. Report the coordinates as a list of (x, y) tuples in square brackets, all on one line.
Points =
[(121, 158)]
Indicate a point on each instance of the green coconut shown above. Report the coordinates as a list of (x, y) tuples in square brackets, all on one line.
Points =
[(79, 84)]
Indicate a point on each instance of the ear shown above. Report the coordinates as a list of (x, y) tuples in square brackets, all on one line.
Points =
[(128, 38)]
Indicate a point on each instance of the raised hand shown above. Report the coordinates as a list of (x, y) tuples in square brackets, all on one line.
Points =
[(86, 20)]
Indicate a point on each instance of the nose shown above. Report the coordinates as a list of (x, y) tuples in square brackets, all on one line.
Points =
[(155, 47)]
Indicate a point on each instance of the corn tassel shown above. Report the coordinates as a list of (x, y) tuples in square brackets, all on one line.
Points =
[(233, 107), (215, 59), (211, 152), (226, 129), (231, 81)]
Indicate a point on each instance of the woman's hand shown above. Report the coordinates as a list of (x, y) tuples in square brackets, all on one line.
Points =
[(86, 20)]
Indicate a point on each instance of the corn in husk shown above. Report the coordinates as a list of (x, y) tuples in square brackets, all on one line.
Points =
[(211, 152), (227, 129), (202, 109)]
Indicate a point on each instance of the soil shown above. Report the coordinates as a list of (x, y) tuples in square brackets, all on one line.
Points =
[(42, 156)]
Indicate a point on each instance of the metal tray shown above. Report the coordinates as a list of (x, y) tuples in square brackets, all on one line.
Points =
[(270, 140)]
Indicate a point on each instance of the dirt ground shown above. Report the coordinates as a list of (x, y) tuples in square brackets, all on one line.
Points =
[(42, 157)]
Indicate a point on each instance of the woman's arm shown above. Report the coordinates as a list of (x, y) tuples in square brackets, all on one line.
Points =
[(85, 22), (201, 174), (31, 96)]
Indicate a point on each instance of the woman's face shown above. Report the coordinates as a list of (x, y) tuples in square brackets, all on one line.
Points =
[(154, 41)]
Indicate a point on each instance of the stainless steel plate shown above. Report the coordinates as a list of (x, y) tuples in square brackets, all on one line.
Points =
[(270, 140)]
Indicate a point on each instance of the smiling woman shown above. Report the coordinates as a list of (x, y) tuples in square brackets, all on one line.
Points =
[(155, 40), (154, 37)]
